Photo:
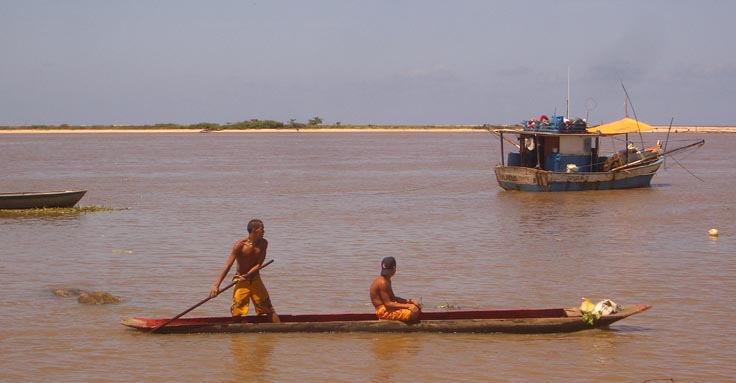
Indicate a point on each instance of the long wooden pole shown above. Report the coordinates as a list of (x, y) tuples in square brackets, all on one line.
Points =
[(637, 162), (203, 301)]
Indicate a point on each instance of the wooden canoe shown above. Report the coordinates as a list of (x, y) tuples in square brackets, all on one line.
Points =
[(526, 321), (37, 200)]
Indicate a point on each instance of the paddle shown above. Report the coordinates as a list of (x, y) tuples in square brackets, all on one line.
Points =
[(208, 298)]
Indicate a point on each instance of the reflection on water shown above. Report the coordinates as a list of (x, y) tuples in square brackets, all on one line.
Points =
[(393, 353), (251, 355)]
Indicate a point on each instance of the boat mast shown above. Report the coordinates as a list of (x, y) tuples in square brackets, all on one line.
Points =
[(568, 93)]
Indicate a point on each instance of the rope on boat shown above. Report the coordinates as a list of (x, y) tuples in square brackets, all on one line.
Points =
[(634, 112), (698, 144), (687, 170), (493, 132)]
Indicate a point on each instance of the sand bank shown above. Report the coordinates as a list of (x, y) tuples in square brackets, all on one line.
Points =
[(695, 129), (657, 129), (283, 130)]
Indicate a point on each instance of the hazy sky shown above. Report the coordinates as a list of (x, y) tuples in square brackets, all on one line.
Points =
[(365, 62)]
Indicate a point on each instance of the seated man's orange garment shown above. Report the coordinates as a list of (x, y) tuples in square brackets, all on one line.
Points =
[(403, 315)]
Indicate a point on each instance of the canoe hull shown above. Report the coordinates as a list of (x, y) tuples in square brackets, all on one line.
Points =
[(37, 200), (538, 180), (489, 321)]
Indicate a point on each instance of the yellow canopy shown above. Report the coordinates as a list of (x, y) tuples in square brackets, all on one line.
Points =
[(626, 125)]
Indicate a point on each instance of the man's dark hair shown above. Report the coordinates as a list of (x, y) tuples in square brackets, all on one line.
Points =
[(253, 224), (387, 265)]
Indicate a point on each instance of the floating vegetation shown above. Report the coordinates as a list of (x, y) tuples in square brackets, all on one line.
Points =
[(453, 306), (54, 211), (67, 292), (88, 297), (98, 298), (448, 306)]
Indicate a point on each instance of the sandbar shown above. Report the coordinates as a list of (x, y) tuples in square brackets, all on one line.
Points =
[(657, 129)]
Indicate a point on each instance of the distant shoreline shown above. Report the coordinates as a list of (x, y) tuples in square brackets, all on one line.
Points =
[(280, 130), (397, 129), (694, 129)]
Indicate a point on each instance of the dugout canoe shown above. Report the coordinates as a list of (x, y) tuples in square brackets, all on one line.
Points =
[(38, 200), (525, 321)]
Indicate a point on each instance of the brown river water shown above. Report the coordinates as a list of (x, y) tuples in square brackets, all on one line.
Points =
[(334, 204)]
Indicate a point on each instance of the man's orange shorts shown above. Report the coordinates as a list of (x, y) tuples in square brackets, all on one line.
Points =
[(247, 290)]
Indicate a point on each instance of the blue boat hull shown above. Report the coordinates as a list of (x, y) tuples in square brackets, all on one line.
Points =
[(538, 180)]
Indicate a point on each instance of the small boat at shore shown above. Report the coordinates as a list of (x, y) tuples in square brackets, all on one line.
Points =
[(557, 154), (38, 200), (525, 321)]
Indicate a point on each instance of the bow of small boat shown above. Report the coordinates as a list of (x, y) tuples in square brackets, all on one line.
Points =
[(606, 320), (624, 312), (628, 311), (37, 200), (149, 323), (182, 323), (137, 323)]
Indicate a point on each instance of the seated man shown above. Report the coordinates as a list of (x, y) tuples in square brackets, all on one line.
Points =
[(388, 306)]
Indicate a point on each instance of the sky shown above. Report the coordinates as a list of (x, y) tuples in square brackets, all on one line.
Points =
[(381, 62)]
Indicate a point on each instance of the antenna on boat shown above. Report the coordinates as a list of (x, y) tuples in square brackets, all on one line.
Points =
[(568, 92)]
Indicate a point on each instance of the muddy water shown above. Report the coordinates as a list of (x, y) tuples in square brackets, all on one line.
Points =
[(334, 204)]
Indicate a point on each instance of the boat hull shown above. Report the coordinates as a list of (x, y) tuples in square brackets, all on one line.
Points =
[(37, 200), (538, 180), (488, 321)]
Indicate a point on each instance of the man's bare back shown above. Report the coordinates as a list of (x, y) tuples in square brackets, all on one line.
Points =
[(380, 288)]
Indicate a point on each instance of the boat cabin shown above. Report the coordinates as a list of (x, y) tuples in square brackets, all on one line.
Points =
[(560, 145)]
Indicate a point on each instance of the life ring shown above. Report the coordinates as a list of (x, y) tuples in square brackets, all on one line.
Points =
[(543, 118)]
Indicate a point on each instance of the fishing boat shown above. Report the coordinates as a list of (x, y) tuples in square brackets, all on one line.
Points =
[(37, 200), (526, 321), (558, 154)]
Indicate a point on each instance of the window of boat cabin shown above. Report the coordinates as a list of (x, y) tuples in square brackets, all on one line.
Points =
[(575, 145)]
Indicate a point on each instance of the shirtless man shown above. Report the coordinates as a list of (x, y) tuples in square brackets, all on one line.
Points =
[(389, 306), (249, 253)]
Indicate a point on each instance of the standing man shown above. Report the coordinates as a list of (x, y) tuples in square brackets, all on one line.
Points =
[(389, 306), (249, 253)]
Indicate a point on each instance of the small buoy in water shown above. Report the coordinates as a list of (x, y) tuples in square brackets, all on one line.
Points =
[(713, 232)]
